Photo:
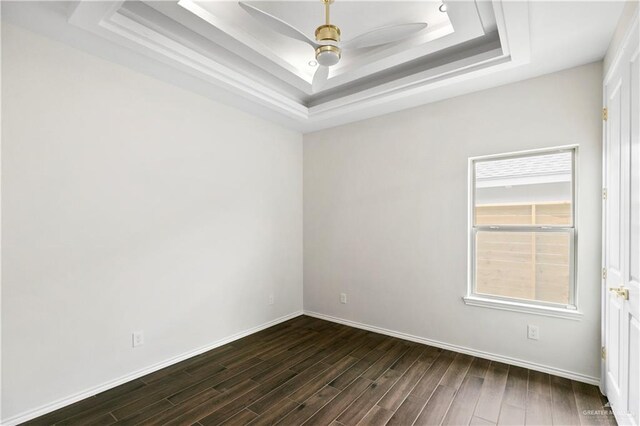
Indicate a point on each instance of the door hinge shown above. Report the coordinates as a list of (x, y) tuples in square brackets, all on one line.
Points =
[(605, 114), (603, 352), (604, 193), (604, 273)]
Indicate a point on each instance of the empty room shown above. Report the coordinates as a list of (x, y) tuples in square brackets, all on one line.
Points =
[(320, 212)]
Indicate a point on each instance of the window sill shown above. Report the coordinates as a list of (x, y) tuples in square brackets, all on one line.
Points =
[(523, 307)]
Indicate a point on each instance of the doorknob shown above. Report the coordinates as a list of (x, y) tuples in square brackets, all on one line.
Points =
[(621, 291)]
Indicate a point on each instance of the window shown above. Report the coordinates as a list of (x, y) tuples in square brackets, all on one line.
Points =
[(522, 236)]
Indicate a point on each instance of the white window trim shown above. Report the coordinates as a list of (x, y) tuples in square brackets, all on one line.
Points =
[(522, 305)]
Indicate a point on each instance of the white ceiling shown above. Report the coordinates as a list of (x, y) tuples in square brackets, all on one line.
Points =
[(217, 50)]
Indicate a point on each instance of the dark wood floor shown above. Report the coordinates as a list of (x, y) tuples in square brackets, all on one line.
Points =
[(320, 373)]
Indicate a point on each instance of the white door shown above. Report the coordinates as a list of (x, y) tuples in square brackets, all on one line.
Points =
[(621, 312)]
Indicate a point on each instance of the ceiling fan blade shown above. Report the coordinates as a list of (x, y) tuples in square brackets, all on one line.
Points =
[(319, 78), (384, 35), (276, 24)]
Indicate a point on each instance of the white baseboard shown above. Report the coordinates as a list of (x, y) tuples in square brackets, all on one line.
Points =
[(32, 414), (455, 348)]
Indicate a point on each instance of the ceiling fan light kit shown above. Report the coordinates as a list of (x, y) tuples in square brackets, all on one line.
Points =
[(328, 55)]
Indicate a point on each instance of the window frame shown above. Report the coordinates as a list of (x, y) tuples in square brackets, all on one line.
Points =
[(474, 298)]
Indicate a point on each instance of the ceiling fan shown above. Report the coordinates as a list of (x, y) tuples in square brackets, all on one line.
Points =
[(327, 45)]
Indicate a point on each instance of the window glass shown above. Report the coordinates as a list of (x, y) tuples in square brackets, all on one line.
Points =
[(528, 190), (524, 265)]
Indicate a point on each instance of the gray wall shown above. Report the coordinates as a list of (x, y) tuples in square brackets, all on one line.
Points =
[(130, 204), (385, 217)]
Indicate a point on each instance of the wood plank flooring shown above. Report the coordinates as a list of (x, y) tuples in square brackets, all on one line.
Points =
[(313, 372)]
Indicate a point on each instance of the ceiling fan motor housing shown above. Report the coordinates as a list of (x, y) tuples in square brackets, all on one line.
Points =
[(328, 32)]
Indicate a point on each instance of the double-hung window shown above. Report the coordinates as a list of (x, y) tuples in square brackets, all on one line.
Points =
[(522, 235)]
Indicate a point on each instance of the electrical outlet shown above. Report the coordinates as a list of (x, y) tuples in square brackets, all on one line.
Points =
[(533, 332), (138, 338), (343, 298), (271, 299)]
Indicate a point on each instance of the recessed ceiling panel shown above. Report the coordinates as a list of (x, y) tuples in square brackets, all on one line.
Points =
[(461, 22), (220, 42), (353, 19), (215, 49)]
